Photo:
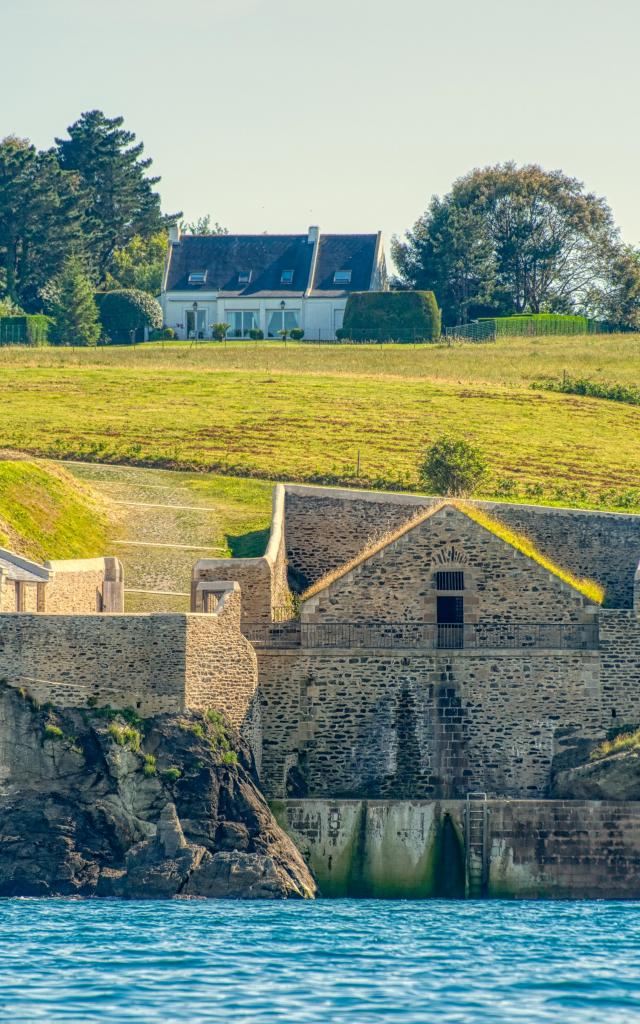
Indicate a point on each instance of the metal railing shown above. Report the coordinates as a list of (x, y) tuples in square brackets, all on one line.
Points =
[(424, 635)]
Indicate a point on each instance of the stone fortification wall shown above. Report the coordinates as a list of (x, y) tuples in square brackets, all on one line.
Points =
[(84, 586), (414, 849), (152, 663), (620, 665), (397, 583), (406, 723), (326, 527), (263, 580)]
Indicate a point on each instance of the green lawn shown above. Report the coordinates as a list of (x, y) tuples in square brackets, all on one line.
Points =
[(303, 412)]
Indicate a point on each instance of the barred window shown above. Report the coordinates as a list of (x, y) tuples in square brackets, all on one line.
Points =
[(450, 581)]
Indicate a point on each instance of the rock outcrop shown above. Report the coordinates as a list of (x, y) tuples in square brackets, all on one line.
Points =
[(616, 777), (96, 802)]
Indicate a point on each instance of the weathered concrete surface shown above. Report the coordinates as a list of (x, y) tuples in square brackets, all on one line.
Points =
[(416, 849)]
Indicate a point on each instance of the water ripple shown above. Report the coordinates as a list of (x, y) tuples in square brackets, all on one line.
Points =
[(332, 962)]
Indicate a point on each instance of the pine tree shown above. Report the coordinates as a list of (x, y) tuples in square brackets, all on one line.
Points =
[(74, 307), (121, 198)]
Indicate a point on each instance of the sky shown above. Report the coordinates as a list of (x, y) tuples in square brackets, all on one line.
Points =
[(272, 115)]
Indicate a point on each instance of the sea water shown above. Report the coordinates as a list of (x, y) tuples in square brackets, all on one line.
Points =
[(355, 961)]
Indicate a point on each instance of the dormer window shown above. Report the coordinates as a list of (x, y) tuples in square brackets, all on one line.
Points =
[(342, 277), (197, 277), (286, 277), (244, 277)]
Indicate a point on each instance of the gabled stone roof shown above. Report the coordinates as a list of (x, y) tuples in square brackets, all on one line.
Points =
[(585, 587)]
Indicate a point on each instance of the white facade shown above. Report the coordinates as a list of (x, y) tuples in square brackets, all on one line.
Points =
[(193, 315)]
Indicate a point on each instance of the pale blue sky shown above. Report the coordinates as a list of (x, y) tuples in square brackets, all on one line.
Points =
[(274, 114)]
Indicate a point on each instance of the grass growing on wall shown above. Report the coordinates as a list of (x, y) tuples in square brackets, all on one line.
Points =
[(45, 513), (305, 412)]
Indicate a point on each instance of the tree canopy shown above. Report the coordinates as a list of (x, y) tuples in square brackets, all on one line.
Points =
[(510, 239)]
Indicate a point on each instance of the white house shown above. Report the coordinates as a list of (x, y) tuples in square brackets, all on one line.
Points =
[(267, 282)]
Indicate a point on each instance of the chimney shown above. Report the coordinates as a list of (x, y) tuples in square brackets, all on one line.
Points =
[(174, 234), (312, 237)]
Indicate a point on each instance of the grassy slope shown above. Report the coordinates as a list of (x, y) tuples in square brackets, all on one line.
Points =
[(303, 412), (46, 513)]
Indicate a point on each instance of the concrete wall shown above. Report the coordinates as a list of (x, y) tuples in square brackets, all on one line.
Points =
[(263, 580), (414, 724), (397, 583), (326, 527), (417, 849)]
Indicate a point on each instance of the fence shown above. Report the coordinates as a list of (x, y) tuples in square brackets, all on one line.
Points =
[(424, 635), (488, 329)]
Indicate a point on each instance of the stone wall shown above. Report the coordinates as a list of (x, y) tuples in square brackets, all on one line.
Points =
[(80, 587), (416, 849), (397, 583), (263, 580), (620, 666), (420, 724), (152, 663), (326, 527)]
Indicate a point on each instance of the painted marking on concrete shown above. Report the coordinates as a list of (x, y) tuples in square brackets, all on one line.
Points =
[(155, 544)]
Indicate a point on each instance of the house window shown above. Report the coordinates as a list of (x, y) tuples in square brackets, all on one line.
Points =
[(197, 277), (449, 581), (196, 323), (281, 320), (286, 277), (244, 277), (241, 322), (342, 277)]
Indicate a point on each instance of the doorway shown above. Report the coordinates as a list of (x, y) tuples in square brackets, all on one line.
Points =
[(450, 618)]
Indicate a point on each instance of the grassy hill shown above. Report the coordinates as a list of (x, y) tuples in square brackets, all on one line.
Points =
[(303, 412), (46, 513)]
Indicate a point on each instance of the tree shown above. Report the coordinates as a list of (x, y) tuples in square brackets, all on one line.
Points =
[(515, 239), (127, 312), (121, 201), (73, 307), (140, 264), (452, 467), (202, 226), (619, 299), (41, 219)]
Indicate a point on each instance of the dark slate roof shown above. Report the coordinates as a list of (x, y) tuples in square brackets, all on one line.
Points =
[(20, 569), (225, 257), (344, 252)]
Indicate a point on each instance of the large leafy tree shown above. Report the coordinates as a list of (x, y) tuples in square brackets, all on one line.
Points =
[(140, 264), (121, 201), (41, 219), (539, 241)]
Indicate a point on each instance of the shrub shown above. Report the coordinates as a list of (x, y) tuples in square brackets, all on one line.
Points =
[(256, 334), (229, 757), (53, 732), (149, 765), (219, 330), (163, 334), (391, 316), (296, 334), (30, 330), (536, 324), (452, 467), (172, 774), (128, 311), (568, 385)]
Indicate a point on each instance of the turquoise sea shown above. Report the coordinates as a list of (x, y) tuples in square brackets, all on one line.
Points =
[(331, 962)]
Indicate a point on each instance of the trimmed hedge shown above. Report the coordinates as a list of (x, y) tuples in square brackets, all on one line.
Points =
[(542, 323), (30, 329), (162, 334), (391, 316), (126, 311)]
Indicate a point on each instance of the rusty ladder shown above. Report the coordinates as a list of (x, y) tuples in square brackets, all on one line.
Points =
[(476, 846)]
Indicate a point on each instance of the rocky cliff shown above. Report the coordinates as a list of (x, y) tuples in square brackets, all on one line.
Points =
[(96, 802), (616, 777)]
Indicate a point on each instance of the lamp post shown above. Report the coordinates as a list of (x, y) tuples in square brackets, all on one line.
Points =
[(195, 321), (283, 333)]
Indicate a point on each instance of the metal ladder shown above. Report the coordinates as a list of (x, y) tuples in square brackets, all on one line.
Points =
[(476, 846)]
